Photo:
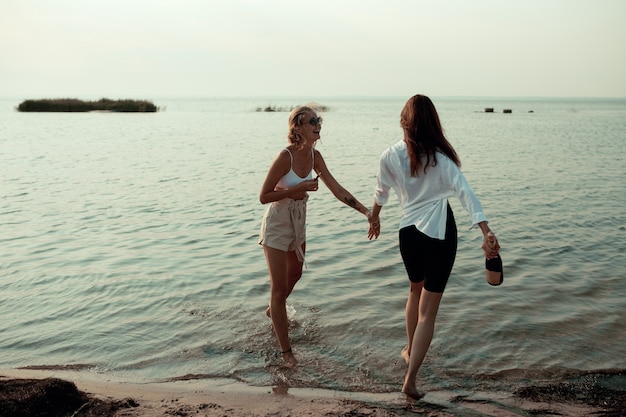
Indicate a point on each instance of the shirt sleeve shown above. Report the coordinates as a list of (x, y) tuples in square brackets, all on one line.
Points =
[(384, 180), (466, 195)]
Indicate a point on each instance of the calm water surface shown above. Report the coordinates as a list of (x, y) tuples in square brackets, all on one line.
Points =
[(129, 245)]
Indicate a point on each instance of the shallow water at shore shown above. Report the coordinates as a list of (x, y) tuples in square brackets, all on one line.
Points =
[(129, 246)]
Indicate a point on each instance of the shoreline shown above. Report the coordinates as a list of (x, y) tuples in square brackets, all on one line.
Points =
[(223, 397)]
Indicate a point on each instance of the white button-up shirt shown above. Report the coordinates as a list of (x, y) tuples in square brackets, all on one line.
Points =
[(424, 199)]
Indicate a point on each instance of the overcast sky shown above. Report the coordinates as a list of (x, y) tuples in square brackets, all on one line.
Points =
[(213, 48)]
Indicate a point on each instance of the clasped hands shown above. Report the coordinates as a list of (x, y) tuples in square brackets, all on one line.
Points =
[(374, 222)]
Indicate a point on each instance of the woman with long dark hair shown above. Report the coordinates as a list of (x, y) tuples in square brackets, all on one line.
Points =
[(424, 171)]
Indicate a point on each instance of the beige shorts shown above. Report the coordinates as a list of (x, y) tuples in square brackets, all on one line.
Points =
[(284, 226)]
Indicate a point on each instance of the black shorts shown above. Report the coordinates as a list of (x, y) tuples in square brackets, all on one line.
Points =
[(428, 259)]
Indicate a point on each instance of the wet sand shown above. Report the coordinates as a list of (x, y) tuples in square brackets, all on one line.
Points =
[(25, 392)]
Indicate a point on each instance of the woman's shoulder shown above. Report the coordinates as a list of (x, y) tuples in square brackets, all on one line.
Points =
[(283, 157), (284, 153), (442, 159), (394, 149), (445, 159), (446, 165), (316, 153)]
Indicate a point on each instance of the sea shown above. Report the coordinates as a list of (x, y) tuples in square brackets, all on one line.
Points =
[(129, 246)]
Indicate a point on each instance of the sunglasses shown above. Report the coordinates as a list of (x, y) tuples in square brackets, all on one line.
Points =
[(315, 121)]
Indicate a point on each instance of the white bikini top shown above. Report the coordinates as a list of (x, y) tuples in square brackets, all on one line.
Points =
[(291, 179)]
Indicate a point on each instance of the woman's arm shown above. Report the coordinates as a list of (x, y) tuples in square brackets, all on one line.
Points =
[(338, 191), (470, 202), (278, 169)]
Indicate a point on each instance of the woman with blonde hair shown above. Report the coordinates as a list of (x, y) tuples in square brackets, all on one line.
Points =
[(283, 229), (424, 170)]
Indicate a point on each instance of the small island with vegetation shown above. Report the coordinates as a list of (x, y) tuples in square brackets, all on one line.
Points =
[(270, 109), (76, 105)]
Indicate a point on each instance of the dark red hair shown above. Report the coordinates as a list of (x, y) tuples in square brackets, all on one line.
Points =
[(423, 134)]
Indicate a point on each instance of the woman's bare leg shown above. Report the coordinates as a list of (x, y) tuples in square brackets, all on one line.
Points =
[(294, 273), (412, 314), (428, 307), (294, 269), (281, 269)]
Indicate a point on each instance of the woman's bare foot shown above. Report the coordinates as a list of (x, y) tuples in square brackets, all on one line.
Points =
[(409, 390), (405, 354), (289, 358)]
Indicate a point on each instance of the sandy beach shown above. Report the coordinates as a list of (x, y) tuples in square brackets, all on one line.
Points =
[(51, 389)]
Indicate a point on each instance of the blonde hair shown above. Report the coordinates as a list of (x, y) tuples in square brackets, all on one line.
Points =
[(297, 119)]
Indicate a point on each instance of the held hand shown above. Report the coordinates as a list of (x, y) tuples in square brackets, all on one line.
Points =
[(300, 190), (491, 246), (310, 185), (374, 231)]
